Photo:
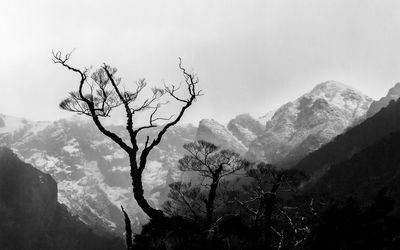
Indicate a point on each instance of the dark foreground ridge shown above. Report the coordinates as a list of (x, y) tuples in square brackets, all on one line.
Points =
[(30, 216)]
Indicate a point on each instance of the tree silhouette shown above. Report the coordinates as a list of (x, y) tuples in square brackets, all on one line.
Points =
[(213, 165), (260, 196), (101, 93), (345, 224)]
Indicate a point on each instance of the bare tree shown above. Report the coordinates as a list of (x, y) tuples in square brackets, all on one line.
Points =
[(262, 192), (99, 94), (185, 200), (211, 163)]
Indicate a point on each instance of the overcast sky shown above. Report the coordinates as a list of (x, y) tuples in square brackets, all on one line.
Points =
[(250, 56)]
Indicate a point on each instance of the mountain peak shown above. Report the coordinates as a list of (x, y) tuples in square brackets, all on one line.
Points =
[(333, 87), (310, 121), (339, 95), (331, 84)]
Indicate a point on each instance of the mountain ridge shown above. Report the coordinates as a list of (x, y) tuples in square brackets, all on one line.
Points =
[(343, 146), (308, 122), (93, 172)]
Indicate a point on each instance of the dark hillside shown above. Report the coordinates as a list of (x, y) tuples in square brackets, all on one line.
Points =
[(30, 216)]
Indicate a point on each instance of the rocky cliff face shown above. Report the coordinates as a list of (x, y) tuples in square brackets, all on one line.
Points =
[(245, 128), (305, 124), (236, 136), (212, 131), (393, 94), (92, 172), (31, 217)]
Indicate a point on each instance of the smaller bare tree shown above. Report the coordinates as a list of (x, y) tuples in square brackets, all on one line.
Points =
[(212, 165), (185, 200), (267, 182)]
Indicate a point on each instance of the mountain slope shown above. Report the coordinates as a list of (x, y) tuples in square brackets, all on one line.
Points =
[(367, 172), (31, 217), (212, 131), (393, 94), (302, 126), (245, 128), (352, 141), (92, 172)]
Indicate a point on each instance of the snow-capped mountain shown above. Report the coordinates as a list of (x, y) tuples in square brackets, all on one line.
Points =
[(245, 128), (305, 124), (212, 131), (393, 94), (92, 172)]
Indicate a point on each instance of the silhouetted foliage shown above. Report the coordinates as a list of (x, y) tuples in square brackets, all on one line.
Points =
[(251, 198), (346, 225), (263, 201), (169, 233), (364, 174)]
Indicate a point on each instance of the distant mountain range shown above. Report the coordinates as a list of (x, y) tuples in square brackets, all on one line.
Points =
[(363, 161), (92, 171), (295, 129)]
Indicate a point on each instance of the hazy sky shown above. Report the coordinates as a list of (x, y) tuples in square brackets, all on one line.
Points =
[(250, 56)]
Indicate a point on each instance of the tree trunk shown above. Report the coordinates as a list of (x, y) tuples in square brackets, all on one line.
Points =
[(141, 201), (211, 197), (210, 203), (269, 201), (128, 230)]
